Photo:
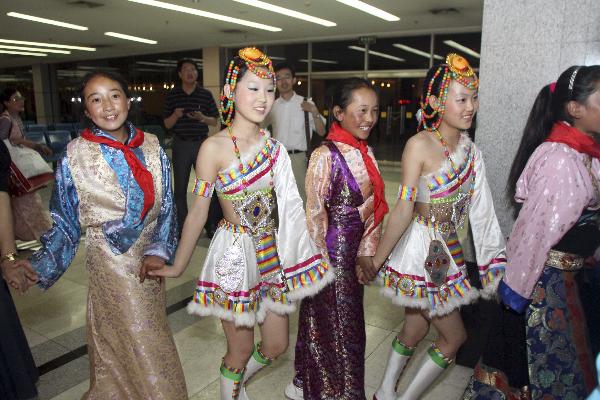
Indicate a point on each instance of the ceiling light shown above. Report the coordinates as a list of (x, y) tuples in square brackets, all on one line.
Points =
[(287, 11), (39, 44), (167, 61), (23, 53), (376, 53), (362, 6), (318, 60), (129, 37), (276, 58), (462, 48), (206, 14), (34, 49), (47, 21), (417, 51)]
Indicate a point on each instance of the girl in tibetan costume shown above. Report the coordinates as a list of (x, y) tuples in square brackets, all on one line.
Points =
[(539, 348), (443, 184), (345, 205), (261, 259), (115, 180)]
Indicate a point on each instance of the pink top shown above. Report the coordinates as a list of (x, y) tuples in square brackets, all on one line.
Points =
[(317, 182), (555, 188)]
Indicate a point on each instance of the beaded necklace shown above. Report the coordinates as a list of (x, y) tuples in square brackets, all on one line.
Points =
[(462, 200), (242, 167)]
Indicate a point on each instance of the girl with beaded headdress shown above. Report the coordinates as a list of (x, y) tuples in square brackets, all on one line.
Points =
[(538, 344), (261, 259), (443, 183)]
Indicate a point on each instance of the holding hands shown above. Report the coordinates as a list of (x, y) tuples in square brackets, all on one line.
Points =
[(366, 270), (19, 274)]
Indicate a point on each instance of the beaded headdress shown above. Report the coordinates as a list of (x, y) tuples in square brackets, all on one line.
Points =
[(258, 63), (456, 68)]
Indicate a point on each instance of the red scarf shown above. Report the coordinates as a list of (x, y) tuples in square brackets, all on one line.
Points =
[(339, 134), (141, 175), (574, 138)]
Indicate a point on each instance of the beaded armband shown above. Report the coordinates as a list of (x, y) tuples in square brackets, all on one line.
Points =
[(203, 188), (407, 193)]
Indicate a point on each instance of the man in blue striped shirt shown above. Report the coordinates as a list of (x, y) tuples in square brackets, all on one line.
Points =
[(189, 109)]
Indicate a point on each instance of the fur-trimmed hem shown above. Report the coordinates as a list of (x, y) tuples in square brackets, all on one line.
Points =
[(267, 305), (247, 319), (490, 291), (314, 288), (447, 307)]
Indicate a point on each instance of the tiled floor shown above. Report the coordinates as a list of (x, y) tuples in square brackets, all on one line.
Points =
[(54, 323)]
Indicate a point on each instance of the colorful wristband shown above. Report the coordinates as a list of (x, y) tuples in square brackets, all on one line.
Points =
[(407, 193), (203, 188)]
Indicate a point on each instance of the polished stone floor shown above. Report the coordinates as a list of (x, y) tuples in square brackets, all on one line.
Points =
[(54, 322)]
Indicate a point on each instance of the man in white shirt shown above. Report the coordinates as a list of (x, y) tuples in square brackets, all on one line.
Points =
[(287, 122)]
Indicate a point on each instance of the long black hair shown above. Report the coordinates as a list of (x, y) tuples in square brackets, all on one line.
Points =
[(5, 96), (576, 83)]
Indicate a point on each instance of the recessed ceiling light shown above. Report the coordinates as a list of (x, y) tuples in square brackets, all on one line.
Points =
[(206, 14), (56, 46), (129, 37), (276, 58), (23, 53), (47, 21), (369, 9), (287, 11), (462, 48), (155, 64), (318, 60), (377, 53), (34, 49), (416, 51)]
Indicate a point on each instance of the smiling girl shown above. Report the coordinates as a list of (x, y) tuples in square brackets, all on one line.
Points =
[(345, 207), (442, 184), (115, 180), (261, 258)]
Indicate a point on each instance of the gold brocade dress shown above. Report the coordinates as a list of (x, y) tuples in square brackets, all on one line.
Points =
[(131, 348)]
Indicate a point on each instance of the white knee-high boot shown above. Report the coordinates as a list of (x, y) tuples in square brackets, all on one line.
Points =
[(399, 356), (257, 362), (231, 381), (434, 364)]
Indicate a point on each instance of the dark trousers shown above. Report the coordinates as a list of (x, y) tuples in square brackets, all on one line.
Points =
[(185, 153)]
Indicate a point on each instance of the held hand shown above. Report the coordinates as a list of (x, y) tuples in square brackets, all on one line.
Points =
[(310, 107), (149, 264), (367, 267), (362, 279), (19, 274), (167, 271), (178, 112), (197, 115)]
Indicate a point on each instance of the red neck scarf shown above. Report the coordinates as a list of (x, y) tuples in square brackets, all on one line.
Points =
[(141, 175), (574, 138), (339, 134)]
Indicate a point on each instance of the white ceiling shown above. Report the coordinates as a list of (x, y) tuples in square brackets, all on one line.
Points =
[(176, 31)]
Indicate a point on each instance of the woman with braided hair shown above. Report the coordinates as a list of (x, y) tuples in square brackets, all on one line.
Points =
[(423, 269), (261, 259), (538, 347)]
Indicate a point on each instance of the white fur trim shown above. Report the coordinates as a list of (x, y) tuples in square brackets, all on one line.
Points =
[(268, 305), (490, 292), (314, 288), (423, 304), (247, 319)]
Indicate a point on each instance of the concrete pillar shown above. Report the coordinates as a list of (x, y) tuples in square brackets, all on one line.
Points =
[(525, 45), (45, 92), (212, 74)]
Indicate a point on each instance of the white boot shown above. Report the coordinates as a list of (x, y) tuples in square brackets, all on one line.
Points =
[(293, 392), (399, 356), (433, 365), (257, 362), (231, 381)]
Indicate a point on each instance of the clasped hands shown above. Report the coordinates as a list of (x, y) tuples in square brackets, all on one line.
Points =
[(19, 274), (366, 270)]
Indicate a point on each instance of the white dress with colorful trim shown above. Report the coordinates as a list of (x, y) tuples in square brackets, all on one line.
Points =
[(443, 285), (267, 262)]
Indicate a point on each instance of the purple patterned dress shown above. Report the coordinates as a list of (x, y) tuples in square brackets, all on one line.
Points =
[(330, 348)]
